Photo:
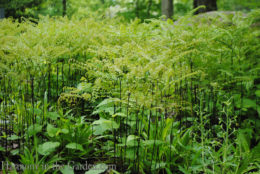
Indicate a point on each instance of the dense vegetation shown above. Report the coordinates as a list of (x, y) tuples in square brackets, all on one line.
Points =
[(145, 96)]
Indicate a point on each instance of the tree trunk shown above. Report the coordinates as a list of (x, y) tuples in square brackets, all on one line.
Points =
[(167, 8), (64, 5), (211, 5), (2, 15)]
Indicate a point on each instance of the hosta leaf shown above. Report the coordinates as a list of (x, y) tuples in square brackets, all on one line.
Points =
[(106, 124), (65, 131), (248, 103), (13, 137), (34, 129), (74, 146), (51, 130), (98, 169), (67, 170), (53, 115), (48, 147), (132, 140)]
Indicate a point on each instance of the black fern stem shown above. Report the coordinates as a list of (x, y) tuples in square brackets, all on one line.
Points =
[(171, 140), (21, 130), (150, 116), (1, 108), (57, 79), (120, 120), (26, 111), (241, 103), (11, 95), (49, 82), (157, 158), (256, 104), (214, 109), (191, 88), (136, 132), (181, 97), (69, 82), (5, 116), (115, 130), (8, 103), (211, 108), (44, 89), (140, 137), (62, 74), (32, 95), (162, 116), (127, 114), (185, 94), (156, 133)]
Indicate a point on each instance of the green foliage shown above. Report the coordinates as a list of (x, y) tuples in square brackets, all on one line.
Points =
[(234, 5), (167, 97), (48, 147), (99, 168)]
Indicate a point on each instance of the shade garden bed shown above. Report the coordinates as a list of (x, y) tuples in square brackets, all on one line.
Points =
[(153, 97)]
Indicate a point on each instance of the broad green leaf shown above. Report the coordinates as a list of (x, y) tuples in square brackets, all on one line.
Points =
[(51, 130), (64, 131), (67, 170), (243, 141), (248, 103), (2, 149), (53, 115), (106, 124), (48, 147), (186, 137), (257, 93), (15, 152), (132, 140), (34, 129), (75, 146), (167, 128), (13, 137), (98, 169), (183, 170)]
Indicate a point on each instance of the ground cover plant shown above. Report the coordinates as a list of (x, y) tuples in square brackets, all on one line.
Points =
[(140, 97)]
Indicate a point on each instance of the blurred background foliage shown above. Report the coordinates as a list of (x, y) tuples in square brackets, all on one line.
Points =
[(129, 9)]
